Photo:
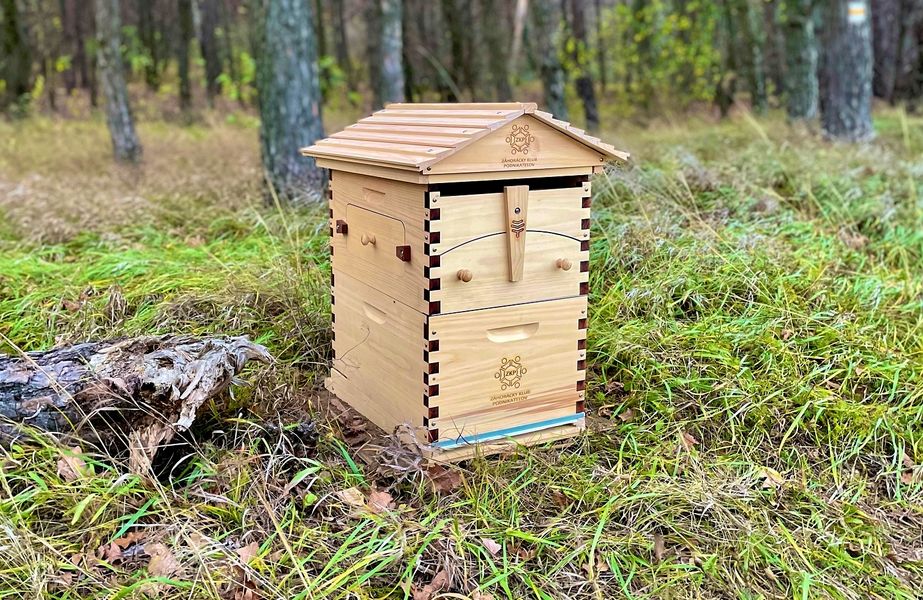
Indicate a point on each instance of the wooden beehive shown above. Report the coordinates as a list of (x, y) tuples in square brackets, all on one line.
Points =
[(460, 252)]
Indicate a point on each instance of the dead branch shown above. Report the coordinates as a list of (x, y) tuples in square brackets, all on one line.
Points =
[(138, 392)]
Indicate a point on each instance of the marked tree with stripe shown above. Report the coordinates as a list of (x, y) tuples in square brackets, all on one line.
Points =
[(846, 75)]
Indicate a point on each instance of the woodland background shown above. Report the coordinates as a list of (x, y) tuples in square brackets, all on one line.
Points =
[(625, 59), (755, 341)]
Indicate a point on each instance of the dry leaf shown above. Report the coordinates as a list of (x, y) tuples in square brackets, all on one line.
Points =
[(63, 580), (660, 547), (70, 305), (492, 546), (352, 496), (627, 415), (600, 567), (688, 440), (78, 559), (444, 479), (439, 583), (132, 537), (110, 553), (248, 553), (522, 553), (71, 467), (477, 595), (163, 563), (907, 477), (380, 502), (197, 541), (613, 386), (245, 593), (771, 477), (908, 462), (560, 498)]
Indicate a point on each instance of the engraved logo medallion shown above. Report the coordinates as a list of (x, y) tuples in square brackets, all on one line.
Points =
[(520, 139), (510, 373)]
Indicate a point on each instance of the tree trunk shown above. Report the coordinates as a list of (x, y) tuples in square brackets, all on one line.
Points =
[(67, 42), (601, 49), (774, 53), (125, 142), (546, 27), (473, 41), (320, 33), (753, 41), (726, 87), (458, 18), (290, 106), (134, 394), (495, 38), (390, 82), (15, 56), (373, 49), (584, 82), (886, 27), (452, 17), (342, 44), (148, 37), (519, 25), (800, 61), (909, 78), (846, 87), (186, 33), (85, 69), (230, 55), (208, 42)]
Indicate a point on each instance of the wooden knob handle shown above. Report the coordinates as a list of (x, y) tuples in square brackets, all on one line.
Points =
[(368, 238), (465, 275), (563, 264)]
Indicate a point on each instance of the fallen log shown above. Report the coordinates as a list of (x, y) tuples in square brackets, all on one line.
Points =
[(135, 393)]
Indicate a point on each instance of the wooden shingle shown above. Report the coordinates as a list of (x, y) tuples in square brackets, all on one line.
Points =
[(417, 137)]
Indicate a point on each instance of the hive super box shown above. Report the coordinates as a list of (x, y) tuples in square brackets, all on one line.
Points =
[(460, 251)]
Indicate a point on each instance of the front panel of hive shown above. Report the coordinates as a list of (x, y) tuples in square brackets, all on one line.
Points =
[(450, 334)]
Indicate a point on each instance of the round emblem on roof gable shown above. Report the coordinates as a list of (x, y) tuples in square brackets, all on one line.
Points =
[(520, 139)]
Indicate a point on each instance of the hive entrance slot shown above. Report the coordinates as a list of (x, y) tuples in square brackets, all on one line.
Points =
[(495, 186)]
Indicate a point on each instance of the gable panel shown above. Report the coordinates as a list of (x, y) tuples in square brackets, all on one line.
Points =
[(525, 143)]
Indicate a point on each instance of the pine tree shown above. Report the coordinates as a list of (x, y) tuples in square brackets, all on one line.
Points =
[(15, 56), (186, 33), (584, 80), (342, 44), (846, 84), (752, 49), (208, 42), (546, 24), (125, 142), (148, 39), (800, 60), (290, 106), (495, 38), (391, 84)]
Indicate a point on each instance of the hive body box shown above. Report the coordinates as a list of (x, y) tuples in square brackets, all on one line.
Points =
[(460, 252)]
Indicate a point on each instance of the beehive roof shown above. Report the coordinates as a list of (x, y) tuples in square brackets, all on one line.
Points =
[(417, 136)]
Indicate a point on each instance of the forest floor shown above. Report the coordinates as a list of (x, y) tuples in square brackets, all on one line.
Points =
[(756, 383)]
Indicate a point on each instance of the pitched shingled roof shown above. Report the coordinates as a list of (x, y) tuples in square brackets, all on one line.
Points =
[(417, 136)]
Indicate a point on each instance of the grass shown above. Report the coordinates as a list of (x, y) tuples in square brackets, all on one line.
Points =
[(756, 393)]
